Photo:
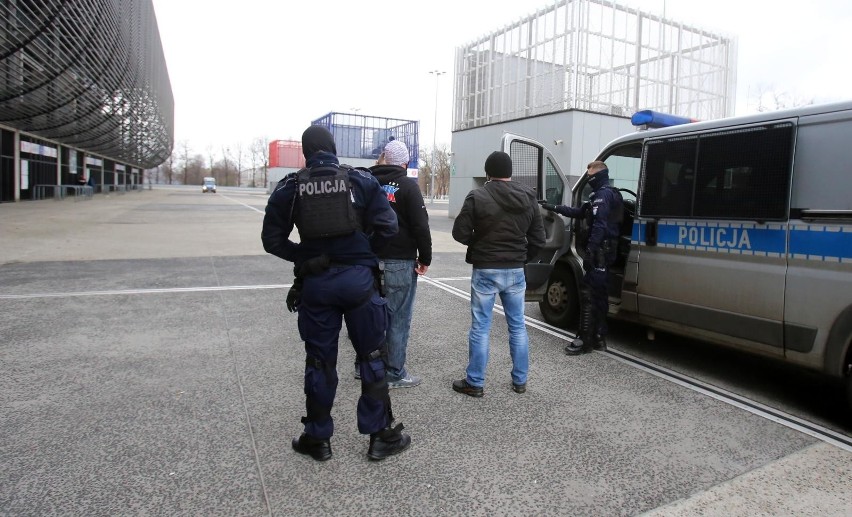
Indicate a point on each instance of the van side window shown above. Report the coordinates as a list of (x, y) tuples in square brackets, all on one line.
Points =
[(744, 174), (669, 177), (737, 174)]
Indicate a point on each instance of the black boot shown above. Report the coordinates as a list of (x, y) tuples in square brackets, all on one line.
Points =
[(599, 340), (583, 342), (316, 448), (576, 347), (387, 442)]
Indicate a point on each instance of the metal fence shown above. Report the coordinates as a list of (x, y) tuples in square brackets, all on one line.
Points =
[(364, 136)]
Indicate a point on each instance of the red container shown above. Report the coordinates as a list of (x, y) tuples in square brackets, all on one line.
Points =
[(286, 153)]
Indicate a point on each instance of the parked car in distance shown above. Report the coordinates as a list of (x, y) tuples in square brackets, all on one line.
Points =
[(209, 185)]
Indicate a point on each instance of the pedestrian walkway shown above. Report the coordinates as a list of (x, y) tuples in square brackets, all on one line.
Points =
[(150, 366)]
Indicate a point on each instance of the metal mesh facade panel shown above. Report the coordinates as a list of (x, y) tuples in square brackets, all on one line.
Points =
[(363, 136), (593, 55), (89, 74)]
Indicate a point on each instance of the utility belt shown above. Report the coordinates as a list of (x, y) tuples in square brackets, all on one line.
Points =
[(378, 273)]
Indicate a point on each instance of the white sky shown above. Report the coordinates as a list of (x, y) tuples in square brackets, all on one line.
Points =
[(241, 70)]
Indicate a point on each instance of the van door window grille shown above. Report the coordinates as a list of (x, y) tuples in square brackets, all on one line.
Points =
[(741, 174), (668, 178), (745, 174), (525, 161)]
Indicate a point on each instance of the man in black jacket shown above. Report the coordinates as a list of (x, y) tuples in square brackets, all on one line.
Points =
[(502, 227), (405, 257)]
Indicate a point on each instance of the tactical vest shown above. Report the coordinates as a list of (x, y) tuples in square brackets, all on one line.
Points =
[(616, 216), (325, 203)]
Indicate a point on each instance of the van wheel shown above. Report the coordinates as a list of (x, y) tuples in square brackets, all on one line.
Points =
[(560, 306)]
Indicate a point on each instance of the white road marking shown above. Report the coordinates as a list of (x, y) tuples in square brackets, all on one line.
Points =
[(816, 431), (241, 203)]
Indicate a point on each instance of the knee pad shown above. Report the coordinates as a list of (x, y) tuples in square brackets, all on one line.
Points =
[(319, 395), (377, 362)]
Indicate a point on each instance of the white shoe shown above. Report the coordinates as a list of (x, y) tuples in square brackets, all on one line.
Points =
[(406, 382)]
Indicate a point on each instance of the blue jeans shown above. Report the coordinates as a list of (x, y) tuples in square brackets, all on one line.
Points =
[(485, 285), (400, 287)]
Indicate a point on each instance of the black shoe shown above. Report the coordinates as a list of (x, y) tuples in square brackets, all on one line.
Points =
[(317, 449), (519, 388), (387, 442), (576, 347), (599, 343), (463, 387)]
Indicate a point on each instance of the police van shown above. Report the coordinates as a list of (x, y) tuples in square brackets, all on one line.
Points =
[(737, 232)]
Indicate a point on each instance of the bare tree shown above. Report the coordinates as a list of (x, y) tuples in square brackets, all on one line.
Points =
[(225, 156), (442, 167), (237, 158), (769, 98), (166, 169), (437, 161), (211, 163), (424, 172), (195, 170), (184, 156), (259, 151)]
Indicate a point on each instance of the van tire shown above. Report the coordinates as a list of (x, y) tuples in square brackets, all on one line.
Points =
[(560, 306)]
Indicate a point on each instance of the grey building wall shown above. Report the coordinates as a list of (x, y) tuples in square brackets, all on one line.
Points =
[(574, 138)]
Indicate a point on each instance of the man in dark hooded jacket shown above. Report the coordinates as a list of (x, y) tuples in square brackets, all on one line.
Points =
[(502, 228), (603, 214), (343, 218), (406, 256)]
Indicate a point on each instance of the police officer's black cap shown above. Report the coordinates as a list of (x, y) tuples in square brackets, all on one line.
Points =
[(498, 165), (316, 139)]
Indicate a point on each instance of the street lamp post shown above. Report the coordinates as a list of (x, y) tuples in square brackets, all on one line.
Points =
[(434, 136)]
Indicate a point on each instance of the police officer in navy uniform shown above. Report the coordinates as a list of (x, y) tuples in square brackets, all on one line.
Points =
[(343, 217), (603, 213)]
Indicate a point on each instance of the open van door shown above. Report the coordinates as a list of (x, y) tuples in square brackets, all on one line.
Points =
[(534, 166)]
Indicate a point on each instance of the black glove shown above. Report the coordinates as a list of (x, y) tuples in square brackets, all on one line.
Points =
[(547, 206), (313, 266), (294, 295)]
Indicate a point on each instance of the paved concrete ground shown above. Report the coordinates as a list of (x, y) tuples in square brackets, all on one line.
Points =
[(149, 367)]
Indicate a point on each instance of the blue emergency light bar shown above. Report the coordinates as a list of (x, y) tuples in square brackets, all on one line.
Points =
[(655, 119)]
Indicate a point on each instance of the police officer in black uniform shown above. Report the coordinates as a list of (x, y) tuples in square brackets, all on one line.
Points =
[(343, 217), (603, 213)]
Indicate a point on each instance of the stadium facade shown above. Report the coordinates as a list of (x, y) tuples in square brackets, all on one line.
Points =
[(84, 93)]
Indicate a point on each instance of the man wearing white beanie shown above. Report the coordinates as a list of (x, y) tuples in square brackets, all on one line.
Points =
[(406, 256)]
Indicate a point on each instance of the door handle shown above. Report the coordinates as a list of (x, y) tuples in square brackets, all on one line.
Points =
[(651, 233)]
